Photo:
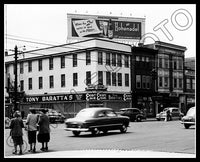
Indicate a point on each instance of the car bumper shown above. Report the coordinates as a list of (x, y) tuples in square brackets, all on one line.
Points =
[(77, 129), (187, 122)]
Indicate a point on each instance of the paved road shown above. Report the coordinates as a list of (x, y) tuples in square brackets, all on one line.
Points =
[(146, 136)]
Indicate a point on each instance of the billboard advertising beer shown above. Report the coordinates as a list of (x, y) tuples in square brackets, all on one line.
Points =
[(105, 27)]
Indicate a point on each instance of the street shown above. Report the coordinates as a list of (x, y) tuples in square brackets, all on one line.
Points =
[(147, 135)]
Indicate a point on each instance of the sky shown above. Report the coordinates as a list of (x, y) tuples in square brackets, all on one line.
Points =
[(47, 23)]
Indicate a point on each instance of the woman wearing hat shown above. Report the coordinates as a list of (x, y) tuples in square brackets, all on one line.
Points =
[(16, 133)]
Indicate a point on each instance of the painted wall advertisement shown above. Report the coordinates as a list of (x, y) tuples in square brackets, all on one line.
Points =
[(105, 28)]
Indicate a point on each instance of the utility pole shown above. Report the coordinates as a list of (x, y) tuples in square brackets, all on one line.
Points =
[(15, 86)]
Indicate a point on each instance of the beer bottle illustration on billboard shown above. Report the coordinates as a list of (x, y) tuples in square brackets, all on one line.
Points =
[(110, 29)]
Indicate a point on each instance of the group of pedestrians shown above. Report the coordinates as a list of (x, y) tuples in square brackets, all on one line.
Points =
[(37, 126)]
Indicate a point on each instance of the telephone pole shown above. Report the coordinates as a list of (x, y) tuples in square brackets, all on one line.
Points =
[(15, 86)]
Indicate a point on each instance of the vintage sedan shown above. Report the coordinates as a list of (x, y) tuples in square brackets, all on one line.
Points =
[(189, 119), (174, 114), (134, 114), (95, 120)]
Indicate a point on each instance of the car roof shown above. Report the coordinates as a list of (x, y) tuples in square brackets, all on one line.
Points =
[(97, 108), (132, 108)]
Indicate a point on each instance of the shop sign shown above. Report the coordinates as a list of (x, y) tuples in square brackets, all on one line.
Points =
[(76, 97)]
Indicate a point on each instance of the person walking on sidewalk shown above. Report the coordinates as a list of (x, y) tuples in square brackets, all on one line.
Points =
[(16, 132), (44, 130), (31, 122)]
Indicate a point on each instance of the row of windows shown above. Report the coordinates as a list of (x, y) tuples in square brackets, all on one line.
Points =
[(163, 82), (164, 63), (190, 83), (111, 59), (143, 81), (116, 79), (142, 58)]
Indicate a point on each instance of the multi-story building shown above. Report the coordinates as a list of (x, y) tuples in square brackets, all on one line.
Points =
[(170, 75), (143, 79), (189, 89), (93, 72)]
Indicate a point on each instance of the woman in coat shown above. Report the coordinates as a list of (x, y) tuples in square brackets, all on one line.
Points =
[(44, 130)]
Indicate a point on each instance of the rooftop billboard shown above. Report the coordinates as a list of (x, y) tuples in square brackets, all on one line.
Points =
[(80, 26)]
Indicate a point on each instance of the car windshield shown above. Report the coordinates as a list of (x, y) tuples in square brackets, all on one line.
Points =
[(191, 112), (165, 109), (85, 113)]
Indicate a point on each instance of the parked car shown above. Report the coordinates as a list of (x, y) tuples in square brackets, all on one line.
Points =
[(174, 114), (54, 115), (134, 114), (95, 120), (189, 119)]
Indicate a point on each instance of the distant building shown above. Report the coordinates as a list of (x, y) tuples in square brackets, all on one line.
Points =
[(70, 77), (143, 76), (170, 75)]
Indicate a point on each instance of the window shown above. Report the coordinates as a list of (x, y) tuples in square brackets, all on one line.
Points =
[(30, 83), (74, 60), (180, 83), (147, 59), (108, 78), (126, 80), (188, 84), (51, 63), (160, 82), (119, 60), (21, 67), (160, 62), (137, 58), (29, 66), (88, 59), (40, 83), (75, 79), (180, 64), (51, 83), (126, 61), (144, 82), (88, 77), (100, 77), (166, 81), (166, 63), (21, 85), (193, 83), (100, 58), (138, 81), (113, 59), (175, 82), (175, 65), (119, 78), (143, 58), (62, 62), (62, 80), (113, 79), (107, 58), (40, 65), (148, 82)]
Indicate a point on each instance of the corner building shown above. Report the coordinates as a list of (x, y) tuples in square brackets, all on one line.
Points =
[(70, 77)]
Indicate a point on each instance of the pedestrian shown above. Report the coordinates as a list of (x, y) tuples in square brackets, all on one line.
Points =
[(167, 115), (44, 130), (16, 132), (31, 122)]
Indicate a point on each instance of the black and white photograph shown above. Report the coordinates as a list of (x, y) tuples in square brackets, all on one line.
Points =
[(99, 81)]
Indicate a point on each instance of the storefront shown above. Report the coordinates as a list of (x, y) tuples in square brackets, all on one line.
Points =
[(70, 104)]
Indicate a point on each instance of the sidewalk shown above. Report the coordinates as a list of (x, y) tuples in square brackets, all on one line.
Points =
[(105, 154)]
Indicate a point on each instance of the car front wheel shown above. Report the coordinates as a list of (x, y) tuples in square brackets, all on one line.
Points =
[(76, 133), (95, 131), (187, 126), (123, 128)]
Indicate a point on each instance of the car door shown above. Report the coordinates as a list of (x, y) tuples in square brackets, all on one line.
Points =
[(113, 120), (100, 120)]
